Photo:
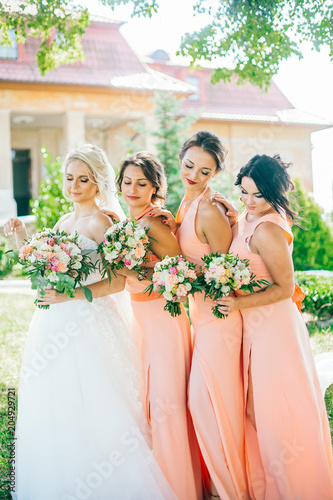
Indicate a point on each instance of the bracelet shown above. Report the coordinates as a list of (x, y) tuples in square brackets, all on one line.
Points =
[(143, 273)]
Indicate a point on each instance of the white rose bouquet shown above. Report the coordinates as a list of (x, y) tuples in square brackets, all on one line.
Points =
[(125, 244), (54, 259), (223, 274)]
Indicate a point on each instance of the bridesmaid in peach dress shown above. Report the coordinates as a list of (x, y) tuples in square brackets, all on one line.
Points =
[(215, 389), (163, 341), (289, 453)]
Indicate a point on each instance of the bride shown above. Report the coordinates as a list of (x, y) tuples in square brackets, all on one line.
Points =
[(81, 433)]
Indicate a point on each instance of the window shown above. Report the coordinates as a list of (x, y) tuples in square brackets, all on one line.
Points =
[(195, 82), (9, 52)]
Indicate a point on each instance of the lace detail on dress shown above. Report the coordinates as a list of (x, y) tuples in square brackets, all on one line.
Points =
[(87, 243)]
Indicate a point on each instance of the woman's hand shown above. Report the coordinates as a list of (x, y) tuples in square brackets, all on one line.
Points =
[(232, 212), (168, 218), (13, 225), (227, 305), (112, 215), (52, 297)]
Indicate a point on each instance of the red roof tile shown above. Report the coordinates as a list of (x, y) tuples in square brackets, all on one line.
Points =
[(228, 97), (107, 55)]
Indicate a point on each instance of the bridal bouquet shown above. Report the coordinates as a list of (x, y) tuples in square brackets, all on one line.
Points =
[(224, 274), (174, 278), (125, 244), (54, 259)]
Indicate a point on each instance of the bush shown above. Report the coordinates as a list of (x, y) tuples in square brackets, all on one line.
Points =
[(50, 205), (318, 294), (6, 261), (313, 243), (9, 263)]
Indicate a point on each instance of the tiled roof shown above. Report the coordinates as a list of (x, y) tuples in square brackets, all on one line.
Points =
[(107, 55), (287, 116), (228, 101), (228, 97), (152, 80)]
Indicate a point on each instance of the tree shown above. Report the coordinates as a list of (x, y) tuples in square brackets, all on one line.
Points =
[(254, 36), (257, 35), (50, 204), (313, 243), (170, 135), (58, 24)]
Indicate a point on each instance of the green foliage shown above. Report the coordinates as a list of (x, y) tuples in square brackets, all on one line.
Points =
[(329, 407), (170, 135), (313, 245), (50, 204), (58, 24), (7, 261), (318, 294), (140, 7), (253, 36)]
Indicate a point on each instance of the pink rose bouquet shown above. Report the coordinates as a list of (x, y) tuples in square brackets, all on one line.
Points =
[(174, 278), (224, 274), (54, 259), (125, 244)]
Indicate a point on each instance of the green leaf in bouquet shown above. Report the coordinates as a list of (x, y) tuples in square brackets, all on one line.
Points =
[(87, 251), (87, 293), (149, 289), (217, 313), (38, 281), (173, 308)]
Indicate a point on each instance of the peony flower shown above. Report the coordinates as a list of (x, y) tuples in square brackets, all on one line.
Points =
[(181, 291), (62, 268)]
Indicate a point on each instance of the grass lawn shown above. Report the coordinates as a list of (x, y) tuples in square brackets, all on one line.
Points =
[(15, 314)]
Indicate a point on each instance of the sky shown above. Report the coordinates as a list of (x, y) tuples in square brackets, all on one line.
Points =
[(306, 83)]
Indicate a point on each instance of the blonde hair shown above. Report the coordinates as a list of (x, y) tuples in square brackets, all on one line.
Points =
[(99, 170)]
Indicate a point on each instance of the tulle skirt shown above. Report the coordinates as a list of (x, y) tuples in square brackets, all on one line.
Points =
[(81, 432)]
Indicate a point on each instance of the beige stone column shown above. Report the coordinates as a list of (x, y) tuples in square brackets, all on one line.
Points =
[(7, 202), (74, 130)]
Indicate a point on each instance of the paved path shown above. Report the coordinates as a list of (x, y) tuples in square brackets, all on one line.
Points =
[(16, 286)]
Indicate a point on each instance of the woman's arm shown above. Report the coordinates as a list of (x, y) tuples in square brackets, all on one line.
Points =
[(15, 225), (270, 242), (168, 218), (99, 223), (165, 241), (99, 289)]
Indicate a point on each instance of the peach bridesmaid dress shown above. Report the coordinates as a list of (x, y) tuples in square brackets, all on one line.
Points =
[(289, 455), (164, 344), (215, 388)]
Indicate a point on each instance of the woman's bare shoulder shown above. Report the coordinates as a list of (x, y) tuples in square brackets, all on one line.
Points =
[(210, 208)]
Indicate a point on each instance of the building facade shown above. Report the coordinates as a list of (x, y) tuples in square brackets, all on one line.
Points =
[(97, 101)]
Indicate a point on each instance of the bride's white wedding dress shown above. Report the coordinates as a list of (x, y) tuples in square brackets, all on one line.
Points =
[(80, 430)]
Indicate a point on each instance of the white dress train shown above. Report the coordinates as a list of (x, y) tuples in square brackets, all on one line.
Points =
[(80, 430)]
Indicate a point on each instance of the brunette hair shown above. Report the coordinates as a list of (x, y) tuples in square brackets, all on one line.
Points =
[(152, 169), (269, 173), (210, 143)]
